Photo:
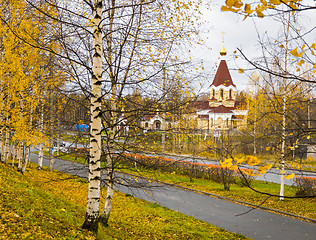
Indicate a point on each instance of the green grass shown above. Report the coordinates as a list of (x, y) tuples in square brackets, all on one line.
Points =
[(50, 205)]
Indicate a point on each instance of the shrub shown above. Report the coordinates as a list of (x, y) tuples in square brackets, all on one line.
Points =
[(305, 186), (198, 170), (244, 179)]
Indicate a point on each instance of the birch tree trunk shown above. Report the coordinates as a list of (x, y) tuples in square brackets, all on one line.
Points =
[(286, 32), (21, 143), (92, 211), (51, 141), (104, 217), (41, 145), (5, 136), (20, 155), (1, 130), (283, 149), (163, 125), (14, 152), (28, 146), (6, 141)]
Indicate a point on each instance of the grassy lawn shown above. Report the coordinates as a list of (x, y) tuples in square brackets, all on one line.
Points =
[(50, 205)]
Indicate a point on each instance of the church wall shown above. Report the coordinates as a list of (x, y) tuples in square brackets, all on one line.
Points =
[(222, 94), (203, 124)]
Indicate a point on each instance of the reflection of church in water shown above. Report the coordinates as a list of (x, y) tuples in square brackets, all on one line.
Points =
[(219, 111)]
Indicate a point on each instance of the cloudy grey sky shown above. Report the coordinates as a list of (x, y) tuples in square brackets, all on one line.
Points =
[(239, 33)]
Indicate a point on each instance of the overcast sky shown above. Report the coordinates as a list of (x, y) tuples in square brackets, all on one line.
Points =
[(239, 33)]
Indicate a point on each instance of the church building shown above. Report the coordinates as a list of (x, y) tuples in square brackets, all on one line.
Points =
[(221, 111)]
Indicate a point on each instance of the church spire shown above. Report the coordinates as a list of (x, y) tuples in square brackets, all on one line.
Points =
[(222, 76), (223, 50)]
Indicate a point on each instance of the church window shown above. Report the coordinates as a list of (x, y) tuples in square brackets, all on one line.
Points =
[(146, 125), (222, 93), (213, 92), (230, 94)]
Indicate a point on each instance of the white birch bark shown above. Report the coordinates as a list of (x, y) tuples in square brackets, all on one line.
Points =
[(163, 125), (104, 217), (6, 141), (286, 32), (92, 211), (283, 150), (28, 146), (14, 152), (21, 143), (1, 133), (20, 155), (51, 141), (41, 145)]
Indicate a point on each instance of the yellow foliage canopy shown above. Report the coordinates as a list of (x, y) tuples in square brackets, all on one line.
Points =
[(252, 160)]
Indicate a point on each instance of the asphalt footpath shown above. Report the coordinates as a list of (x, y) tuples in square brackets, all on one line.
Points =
[(251, 222)]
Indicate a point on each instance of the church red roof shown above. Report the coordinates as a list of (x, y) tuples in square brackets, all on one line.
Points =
[(203, 116), (202, 105), (220, 109), (222, 76), (148, 117)]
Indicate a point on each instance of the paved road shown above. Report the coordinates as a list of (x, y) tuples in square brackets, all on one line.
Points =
[(272, 175), (257, 224)]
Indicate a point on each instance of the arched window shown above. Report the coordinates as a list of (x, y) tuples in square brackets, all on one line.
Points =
[(230, 93), (213, 92), (222, 93), (157, 124), (146, 125)]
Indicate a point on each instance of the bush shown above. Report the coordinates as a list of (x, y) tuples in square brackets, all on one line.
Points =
[(198, 170), (305, 186), (244, 179)]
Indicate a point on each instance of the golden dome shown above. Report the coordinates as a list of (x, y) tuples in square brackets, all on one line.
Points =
[(223, 51)]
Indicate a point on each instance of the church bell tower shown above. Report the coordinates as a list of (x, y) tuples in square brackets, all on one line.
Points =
[(223, 90)]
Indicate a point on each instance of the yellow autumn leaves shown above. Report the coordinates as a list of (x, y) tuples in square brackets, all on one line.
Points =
[(258, 8), (238, 6), (298, 52), (24, 80), (252, 161)]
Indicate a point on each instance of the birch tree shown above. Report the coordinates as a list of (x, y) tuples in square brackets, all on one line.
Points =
[(23, 78), (92, 213), (136, 41)]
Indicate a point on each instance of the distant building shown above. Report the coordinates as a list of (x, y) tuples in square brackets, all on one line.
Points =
[(157, 122), (306, 148), (221, 110)]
